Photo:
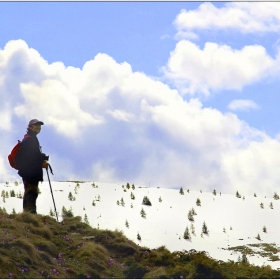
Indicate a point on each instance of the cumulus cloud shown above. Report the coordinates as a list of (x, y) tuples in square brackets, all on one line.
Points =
[(245, 17), (242, 105), (106, 122), (215, 67)]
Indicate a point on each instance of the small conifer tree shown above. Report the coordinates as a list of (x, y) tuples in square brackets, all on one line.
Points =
[(205, 228), (146, 201), (264, 229), (243, 259), (133, 187), (193, 211), (271, 205), (93, 203), (67, 213), (143, 213), (160, 200), (198, 202), (138, 236), (70, 196), (187, 234), (132, 196), (238, 195), (190, 216), (181, 191), (128, 186), (122, 202), (192, 229), (12, 193), (261, 205), (255, 195), (258, 237), (86, 219), (276, 196), (214, 192), (126, 224)]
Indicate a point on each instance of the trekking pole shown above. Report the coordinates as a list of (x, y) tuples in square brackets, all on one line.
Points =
[(51, 190)]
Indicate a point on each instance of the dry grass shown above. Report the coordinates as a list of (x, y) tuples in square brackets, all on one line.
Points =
[(36, 246)]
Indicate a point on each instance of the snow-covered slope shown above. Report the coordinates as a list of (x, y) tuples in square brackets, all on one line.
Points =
[(231, 221)]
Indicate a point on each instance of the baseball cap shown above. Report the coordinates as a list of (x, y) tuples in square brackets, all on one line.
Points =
[(34, 121)]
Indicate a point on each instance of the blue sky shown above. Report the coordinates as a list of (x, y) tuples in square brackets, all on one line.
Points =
[(175, 93)]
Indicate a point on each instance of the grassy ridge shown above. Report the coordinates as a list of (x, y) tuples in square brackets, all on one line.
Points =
[(36, 246)]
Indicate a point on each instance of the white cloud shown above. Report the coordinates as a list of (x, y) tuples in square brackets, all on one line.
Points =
[(121, 115), (254, 168), (53, 102), (106, 121), (243, 105), (245, 17), (216, 67)]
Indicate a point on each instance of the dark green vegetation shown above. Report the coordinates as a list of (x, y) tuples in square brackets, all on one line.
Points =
[(265, 250), (36, 246)]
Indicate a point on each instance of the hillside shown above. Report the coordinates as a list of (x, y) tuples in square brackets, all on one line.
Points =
[(37, 246), (239, 228)]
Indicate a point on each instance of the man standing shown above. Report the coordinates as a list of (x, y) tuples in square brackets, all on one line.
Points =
[(31, 161)]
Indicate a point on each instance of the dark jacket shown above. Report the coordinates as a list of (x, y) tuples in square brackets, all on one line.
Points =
[(30, 159)]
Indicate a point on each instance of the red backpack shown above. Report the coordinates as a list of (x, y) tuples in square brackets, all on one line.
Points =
[(12, 157)]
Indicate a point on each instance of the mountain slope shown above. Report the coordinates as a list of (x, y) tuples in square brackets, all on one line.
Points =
[(233, 223)]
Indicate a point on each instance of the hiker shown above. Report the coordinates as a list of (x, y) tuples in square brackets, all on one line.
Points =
[(31, 163)]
